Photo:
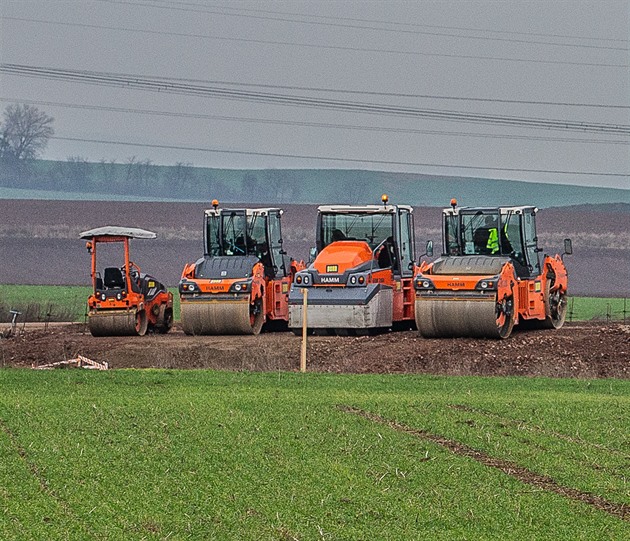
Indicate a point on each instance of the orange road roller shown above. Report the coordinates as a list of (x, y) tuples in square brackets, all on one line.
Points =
[(242, 282), (491, 276), (125, 301), (361, 279)]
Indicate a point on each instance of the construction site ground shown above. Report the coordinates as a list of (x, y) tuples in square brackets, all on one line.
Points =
[(578, 350)]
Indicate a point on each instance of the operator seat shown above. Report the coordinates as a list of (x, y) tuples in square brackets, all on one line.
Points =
[(113, 278)]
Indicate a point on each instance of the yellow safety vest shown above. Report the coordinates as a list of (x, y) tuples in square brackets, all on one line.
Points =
[(493, 240)]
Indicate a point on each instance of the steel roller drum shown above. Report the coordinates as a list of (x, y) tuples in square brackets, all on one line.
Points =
[(219, 317), (457, 317), (125, 323)]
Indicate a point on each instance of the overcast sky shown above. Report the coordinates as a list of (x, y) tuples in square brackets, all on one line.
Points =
[(333, 84)]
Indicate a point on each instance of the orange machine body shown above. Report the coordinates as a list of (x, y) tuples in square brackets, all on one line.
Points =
[(243, 280), (124, 300), (362, 276), (490, 276)]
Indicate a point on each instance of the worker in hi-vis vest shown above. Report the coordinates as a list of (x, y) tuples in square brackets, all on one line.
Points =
[(493, 235)]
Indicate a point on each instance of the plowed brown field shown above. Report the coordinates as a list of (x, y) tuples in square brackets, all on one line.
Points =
[(39, 241)]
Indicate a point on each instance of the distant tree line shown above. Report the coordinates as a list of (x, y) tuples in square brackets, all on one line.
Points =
[(24, 134), (25, 131)]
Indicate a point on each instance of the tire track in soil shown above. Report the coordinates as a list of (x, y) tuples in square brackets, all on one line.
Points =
[(507, 423), (621, 511), (535, 428), (43, 483)]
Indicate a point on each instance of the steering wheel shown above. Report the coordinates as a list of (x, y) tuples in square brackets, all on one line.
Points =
[(134, 270)]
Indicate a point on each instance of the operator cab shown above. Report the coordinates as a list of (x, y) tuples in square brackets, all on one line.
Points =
[(247, 233), (386, 229), (499, 231)]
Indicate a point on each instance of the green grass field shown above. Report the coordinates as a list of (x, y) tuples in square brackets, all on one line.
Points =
[(280, 456), (51, 303), (68, 303)]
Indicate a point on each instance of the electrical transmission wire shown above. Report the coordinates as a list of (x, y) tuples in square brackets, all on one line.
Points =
[(156, 84), (395, 23), (361, 27), (327, 125), (335, 159), (385, 94), (310, 45)]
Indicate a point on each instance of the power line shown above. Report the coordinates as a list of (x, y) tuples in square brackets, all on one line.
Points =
[(336, 159), (397, 94), (346, 91), (310, 45), (327, 125), (353, 26), (398, 23), (156, 84)]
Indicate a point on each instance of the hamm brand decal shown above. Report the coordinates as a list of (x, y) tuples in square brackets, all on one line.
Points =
[(217, 287), (330, 279), (455, 284)]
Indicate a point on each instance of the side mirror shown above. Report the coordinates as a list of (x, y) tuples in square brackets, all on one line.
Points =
[(312, 254), (568, 247), (429, 248)]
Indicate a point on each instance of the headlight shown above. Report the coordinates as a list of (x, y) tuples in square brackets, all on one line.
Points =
[(356, 279), (118, 296), (103, 296), (307, 279), (424, 283), (240, 287), (487, 285)]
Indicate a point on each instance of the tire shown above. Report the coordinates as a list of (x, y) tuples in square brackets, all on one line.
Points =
[(555, 307), (142, 323), (166, 323)]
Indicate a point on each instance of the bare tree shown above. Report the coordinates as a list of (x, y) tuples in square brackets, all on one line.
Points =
[(181, 179), (24, 132), (77, 172)]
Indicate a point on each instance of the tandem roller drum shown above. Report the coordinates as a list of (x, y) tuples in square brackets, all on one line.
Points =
[(221, 317), (124, 323), (456, 317)]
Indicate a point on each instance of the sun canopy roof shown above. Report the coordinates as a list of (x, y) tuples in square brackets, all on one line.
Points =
[(116, 231)]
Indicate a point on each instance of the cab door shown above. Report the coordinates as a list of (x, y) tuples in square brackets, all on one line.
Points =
[(531, 241), (406, 243), (275, 244)]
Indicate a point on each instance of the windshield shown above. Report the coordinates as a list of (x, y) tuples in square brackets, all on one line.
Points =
[(234, 233), (372, 228), (484, 233)]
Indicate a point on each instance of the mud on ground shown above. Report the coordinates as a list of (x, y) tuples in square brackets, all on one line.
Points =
[(585, 350)]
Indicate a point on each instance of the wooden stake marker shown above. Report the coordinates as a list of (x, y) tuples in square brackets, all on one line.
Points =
[(304, 330)]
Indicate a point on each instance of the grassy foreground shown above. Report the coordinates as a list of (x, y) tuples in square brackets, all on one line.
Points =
[(244, 456), (68, 303)]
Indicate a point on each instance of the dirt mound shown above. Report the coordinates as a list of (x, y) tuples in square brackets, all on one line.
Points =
[(577, 350)]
